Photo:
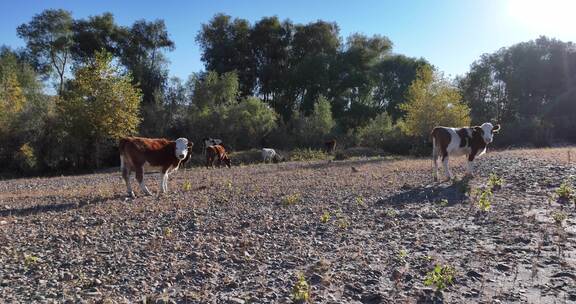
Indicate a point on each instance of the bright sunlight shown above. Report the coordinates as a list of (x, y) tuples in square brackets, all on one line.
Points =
[(547, 17)]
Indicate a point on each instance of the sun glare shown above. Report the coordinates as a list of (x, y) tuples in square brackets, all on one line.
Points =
[(548, 17)]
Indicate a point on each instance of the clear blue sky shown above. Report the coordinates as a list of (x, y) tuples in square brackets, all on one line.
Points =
[(451, 34)]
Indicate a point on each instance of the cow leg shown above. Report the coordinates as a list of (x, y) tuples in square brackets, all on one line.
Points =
[(164, 181), (126, 175), (447, 171), (470, 167), (140, 179), (435, 160)]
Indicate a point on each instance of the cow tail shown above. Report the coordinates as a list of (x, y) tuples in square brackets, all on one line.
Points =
[(434, 152)]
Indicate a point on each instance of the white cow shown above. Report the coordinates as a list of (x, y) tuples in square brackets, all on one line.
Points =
[(268, 154)]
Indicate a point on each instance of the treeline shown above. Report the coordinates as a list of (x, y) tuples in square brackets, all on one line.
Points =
[(271, 83)]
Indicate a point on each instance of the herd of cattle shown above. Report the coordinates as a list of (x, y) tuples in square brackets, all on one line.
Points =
[(135, 152)]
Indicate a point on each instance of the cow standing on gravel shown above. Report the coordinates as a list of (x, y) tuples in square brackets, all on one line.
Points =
[(209, 141), (163, 153), (268, 154), (217, 152), (469, 141)]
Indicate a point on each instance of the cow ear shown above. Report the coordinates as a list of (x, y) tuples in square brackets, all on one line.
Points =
[(496, 129), (190, 144), (478, 129)]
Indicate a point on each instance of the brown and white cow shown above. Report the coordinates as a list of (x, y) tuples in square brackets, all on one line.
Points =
[(469, 141), (217, 152), (157, 152)]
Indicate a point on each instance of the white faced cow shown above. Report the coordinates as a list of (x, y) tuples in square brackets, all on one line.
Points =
[(163, 153), (268, 154), (469, 141)]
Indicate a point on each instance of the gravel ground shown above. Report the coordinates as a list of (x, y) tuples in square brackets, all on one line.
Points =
[(358, 231)]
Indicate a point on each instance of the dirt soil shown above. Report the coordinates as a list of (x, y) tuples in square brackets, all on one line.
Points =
[(359, 231)]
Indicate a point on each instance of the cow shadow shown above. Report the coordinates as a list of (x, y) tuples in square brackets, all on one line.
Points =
[(451, 194), (58, 207)]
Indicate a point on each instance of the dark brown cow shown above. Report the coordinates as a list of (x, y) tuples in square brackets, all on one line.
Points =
[(217, 152), (157, 152), (469, 141), (330, 146)]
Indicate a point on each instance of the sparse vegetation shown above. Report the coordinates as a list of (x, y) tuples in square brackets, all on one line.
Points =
[(565, 192), (325, 217), (495, 182), (30, 260), (485, 200), (559, 217), (301, 290), (187, 186), (307, 154), (291, 199), (440, 277)]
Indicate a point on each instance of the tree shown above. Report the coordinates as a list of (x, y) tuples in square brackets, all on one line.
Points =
[(392, 76), (141, 51), (211, 89), (432, 101), (313, 129), (102, 103), (94, 34), (249, 121), (226, 47), (49, 37), (313, 52)]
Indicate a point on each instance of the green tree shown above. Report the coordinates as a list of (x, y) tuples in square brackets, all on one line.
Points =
[(211, 89), (249, 121), (226, 47), (49, 37), (313, 129), (102, 103), (432, 101), (96, 33)]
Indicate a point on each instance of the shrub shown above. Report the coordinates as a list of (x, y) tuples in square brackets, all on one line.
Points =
[(25, 158), (301, 290), (440, 277), (307, 154)]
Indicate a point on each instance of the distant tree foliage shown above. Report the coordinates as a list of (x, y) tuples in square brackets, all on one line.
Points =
[(270, 82), (102, 104), (432, 101), (49, 38), (531, 86)]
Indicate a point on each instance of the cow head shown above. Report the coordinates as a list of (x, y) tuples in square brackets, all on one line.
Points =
[(487, 130), (183, 148), (227, 160)]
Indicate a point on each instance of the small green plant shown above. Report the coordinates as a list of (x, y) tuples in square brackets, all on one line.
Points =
[(325, 217), (187, 186), (402, 255), (443, 202), (360, 201), (291, 199), (343, 222), (565, 192), (559, 217), (301, 290), (391, 213), (440, 277), (485, 200), (495, 182), (30, 260), (168, 232)]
